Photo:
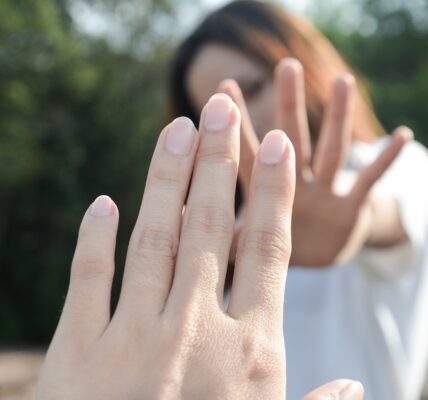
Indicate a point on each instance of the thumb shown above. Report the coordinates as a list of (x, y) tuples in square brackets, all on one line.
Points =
[(370, 174), (342, 389)]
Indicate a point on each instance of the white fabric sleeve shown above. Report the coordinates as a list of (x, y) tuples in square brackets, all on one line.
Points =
[(407, 181)]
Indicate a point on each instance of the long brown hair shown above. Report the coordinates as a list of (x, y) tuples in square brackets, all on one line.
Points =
[(267, 33)]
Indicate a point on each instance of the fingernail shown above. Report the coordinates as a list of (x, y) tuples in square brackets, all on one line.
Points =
[(353, 391), (217, 113), (101, 207), (180, 136), (272, 148)]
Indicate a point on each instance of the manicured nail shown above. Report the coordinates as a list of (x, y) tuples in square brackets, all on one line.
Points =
[(272, 147), (180, 136), (101, 207), (352, 391), (217, 113)]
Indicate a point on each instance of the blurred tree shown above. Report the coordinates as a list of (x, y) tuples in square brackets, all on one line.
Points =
[(77, 119), (81, 107), (388, 45)]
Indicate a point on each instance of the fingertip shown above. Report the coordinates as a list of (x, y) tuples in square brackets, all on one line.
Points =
[(289, 66), (220, 97), (228, 86), (345, 389), (404, 133), (289, 78), (345, 83), (219, 113), (277, 148), (354, 390), (234, 109), (103, 206), (347, 80), (273, 147), (179, 137), (343, 88), (231, 88), (226, 99)]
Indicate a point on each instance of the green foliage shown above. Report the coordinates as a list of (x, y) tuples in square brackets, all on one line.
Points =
[(76, 120), (79, 117), (394, 61)]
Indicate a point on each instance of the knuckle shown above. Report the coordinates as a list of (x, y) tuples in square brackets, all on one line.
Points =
[(90, 267), (272, 244), (220, 153), (166, 176), (271, 187), (261, 356), (191, 329), (156, 240), (211, 218)]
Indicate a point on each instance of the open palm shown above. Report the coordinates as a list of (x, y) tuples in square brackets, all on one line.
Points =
[(331, 214)]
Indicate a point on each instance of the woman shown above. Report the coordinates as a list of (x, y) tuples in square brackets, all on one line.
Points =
[(355, 204)]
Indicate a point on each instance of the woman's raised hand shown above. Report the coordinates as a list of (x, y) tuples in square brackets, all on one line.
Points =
[(332, 217), (170, 336)]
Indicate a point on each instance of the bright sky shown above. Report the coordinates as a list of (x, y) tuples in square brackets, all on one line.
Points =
[(90, 21), (295, 5)]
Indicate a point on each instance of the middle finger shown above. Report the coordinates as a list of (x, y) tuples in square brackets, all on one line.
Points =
[(208, 223), (291, 112)]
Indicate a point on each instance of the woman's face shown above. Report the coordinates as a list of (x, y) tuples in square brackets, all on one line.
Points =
[(215, 63)]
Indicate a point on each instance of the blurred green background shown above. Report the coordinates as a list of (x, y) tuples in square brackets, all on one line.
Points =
[(82, 100)]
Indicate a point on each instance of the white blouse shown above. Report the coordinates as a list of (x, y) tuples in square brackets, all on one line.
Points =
[(367, 320)]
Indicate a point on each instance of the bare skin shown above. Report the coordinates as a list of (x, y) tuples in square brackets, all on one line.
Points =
[(335, 214), (170, 336)]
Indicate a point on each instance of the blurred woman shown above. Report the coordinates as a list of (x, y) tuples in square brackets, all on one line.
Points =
[(360, 201)]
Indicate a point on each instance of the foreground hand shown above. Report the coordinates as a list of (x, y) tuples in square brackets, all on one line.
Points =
[(170, 336), (330, 224)]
